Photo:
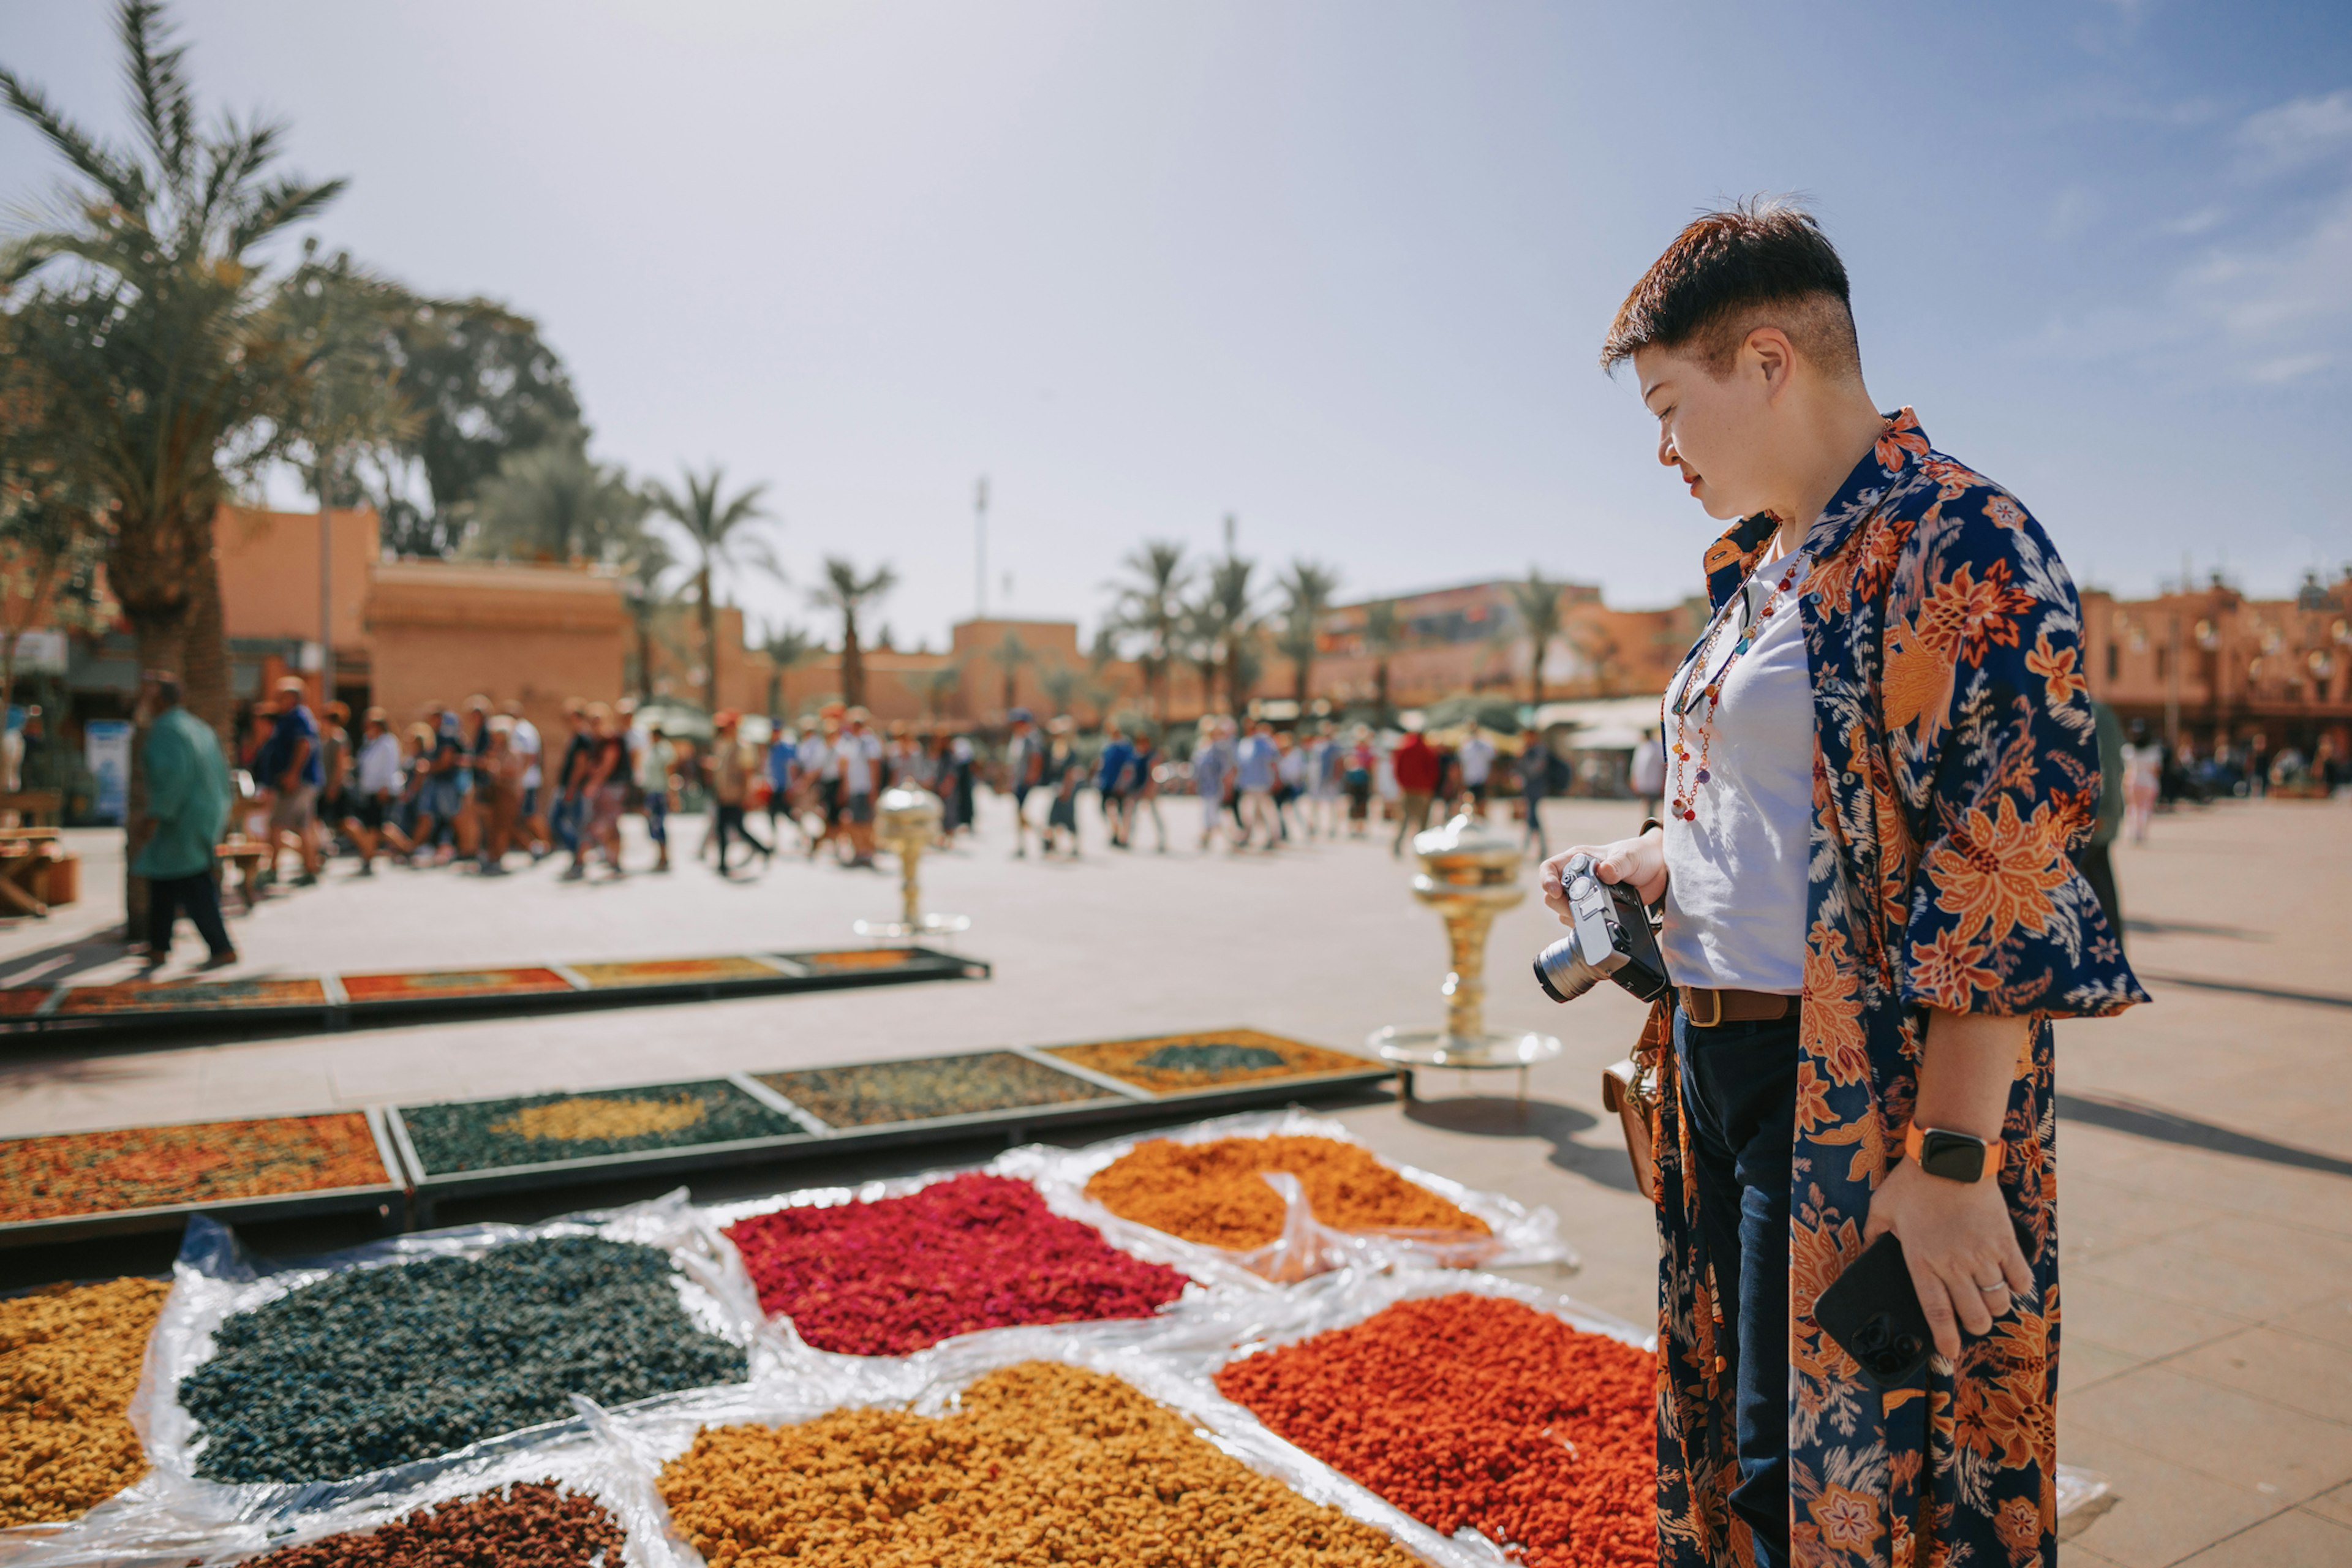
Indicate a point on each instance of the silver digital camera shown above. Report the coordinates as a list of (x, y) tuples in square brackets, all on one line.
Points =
[(1609, 939)]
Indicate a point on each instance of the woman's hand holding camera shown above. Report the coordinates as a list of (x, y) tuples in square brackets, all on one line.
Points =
[(1640, 861)]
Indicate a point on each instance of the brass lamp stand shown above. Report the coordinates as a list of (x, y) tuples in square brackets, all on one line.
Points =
[(905, 821), (1469, 874)]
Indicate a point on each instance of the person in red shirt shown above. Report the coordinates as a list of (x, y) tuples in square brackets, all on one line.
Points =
[(1416, 765)]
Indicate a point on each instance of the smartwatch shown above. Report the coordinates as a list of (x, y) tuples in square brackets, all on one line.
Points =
[(1960, 1157)]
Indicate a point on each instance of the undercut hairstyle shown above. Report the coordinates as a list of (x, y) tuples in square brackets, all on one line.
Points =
[(1763, 263)]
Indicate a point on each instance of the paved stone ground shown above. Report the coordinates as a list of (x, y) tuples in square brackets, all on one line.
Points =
[(2207, 1211)]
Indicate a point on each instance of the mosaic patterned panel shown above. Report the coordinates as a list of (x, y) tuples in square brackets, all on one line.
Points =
[(673, 971), (857, 960), (89, 1001), (872, 1093), (496, 1135), (448, 984), (1176, 1064), (60, 1174)]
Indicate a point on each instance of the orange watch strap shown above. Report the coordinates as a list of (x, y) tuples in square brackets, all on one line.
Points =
[(1915, 1140)]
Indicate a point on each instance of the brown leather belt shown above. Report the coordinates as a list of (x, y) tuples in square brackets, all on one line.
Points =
[(1709, 1009)]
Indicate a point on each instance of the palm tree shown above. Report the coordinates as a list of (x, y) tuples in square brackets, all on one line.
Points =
[(1306, 590), (1383, 635), (1009, 655), (847, 592), (1061, 684), (159, 342), (51, 531), (1151, 604), (1232, 613), (714, 529), (1200, 640), (941, 684), (1537, 604), (557, 503), (786, 647), (646, 561)]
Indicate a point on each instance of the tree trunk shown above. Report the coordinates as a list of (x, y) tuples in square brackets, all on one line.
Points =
[(709, 645), (853, 664), (1301, 670), (1380, 689), (204, 670)]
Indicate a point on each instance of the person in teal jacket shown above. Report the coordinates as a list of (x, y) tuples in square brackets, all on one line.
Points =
[(187, 803)]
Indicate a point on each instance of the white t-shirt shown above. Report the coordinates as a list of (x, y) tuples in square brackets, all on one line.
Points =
[(1736, 878), (859, 756), (524, 743), (1477, 759), (379, 764)]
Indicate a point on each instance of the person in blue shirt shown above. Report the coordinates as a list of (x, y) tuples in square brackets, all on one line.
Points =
[(1111, 781), (780, 776), (293, 768), (1256, 772)]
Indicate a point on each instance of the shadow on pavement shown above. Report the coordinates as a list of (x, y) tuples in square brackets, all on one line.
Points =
[(2171, 1127), (2275, 993), (1492, 1116)]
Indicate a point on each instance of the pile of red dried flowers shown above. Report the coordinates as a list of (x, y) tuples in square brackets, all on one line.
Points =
[(1480, 1411), (527, 1525), (893, 1276)]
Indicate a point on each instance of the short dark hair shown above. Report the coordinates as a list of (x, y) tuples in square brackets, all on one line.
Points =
[(166, 683), (1762, 262)]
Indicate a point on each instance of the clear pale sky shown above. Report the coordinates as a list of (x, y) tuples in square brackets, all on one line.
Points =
[(1339, 268)]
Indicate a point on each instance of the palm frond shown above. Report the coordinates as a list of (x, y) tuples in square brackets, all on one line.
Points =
[(88, 157), (159, 88)]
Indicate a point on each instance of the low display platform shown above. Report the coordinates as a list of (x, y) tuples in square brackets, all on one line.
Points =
[(467, 1148), (66, 1185), (334, 1001)]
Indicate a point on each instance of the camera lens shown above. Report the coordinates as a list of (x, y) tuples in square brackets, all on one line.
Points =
[(1563, 973)]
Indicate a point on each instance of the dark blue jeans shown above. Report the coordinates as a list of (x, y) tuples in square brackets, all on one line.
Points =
[(1739, 1095)]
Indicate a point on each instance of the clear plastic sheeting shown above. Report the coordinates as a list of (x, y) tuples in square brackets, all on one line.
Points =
[(578, 1463), (172, 1515), (643, 1441), (1519, 1236), (2078, 1488)]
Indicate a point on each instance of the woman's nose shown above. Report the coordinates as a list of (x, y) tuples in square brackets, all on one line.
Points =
[(1667, 457)]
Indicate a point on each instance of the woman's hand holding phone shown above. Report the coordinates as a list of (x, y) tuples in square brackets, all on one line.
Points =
[(1639, 861)]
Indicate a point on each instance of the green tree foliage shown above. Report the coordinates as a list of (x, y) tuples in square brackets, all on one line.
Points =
[(849, 593), (1307, 589), (1536, 605), (716, 529), (1009, 655), (485, 388), (155, 335), (1150, 605), (557, 503), (787, 647), (1226, 615), (646, 564)]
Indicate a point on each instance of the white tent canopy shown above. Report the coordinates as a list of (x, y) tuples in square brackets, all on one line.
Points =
[(1602, 724)]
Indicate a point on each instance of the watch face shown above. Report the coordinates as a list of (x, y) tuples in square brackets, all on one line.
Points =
[(1955, 1156)]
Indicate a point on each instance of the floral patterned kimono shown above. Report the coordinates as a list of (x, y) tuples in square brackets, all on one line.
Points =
[(1955, 767)]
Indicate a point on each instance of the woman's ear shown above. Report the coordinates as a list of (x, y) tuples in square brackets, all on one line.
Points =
[(1771, 355)]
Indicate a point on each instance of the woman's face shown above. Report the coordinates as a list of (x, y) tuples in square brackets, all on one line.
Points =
[(1714, 431)]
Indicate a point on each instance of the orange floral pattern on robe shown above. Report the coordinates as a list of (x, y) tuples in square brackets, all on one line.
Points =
[(1955, 773)]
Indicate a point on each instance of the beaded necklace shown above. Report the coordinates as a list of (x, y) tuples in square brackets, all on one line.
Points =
[(1684, 802)]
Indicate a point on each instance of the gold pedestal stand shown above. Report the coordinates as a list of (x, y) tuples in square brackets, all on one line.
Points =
[(906, 822), (1469, 874)]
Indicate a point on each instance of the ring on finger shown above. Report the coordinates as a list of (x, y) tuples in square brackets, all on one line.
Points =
[(1998, 1287)]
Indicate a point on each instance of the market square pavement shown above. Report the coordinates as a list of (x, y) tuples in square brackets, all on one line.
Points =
[(2206, 1148)]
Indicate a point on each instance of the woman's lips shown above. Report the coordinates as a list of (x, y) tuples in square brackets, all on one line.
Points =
[(1693, 482)]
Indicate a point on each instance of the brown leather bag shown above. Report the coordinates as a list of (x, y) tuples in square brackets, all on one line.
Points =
[(1626, 1088)]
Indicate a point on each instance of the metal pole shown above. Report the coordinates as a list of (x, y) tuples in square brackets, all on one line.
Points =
[(980, 547)]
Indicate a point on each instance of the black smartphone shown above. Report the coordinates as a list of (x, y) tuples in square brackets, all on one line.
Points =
[(1873, 1311)]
